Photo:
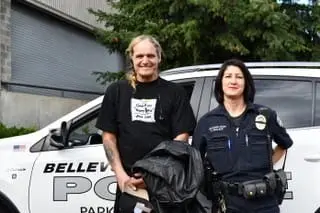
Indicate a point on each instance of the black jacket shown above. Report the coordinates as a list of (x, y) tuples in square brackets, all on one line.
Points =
[(173, 173)]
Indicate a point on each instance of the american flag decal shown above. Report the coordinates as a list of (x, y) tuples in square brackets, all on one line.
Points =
[(19, 148)]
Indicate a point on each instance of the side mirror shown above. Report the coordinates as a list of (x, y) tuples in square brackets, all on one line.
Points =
[(58, 137)]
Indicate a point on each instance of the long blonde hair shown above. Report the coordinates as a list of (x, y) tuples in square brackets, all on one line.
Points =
[(131, 75)]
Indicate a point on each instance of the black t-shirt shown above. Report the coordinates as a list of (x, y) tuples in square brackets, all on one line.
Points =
[(142, 118), (237, 120)]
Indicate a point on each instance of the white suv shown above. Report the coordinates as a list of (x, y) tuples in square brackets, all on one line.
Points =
[(40, 174)]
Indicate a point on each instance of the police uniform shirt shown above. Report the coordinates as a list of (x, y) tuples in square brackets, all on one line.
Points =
[(241, 152), (237, 120), (142, 118)]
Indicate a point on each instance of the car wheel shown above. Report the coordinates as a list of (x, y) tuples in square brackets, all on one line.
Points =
[(4, 210)]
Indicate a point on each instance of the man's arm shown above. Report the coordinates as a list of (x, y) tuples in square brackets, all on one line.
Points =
[(182, 137), (112, 153)]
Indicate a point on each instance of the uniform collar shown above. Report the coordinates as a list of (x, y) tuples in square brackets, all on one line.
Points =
[(221, 110)]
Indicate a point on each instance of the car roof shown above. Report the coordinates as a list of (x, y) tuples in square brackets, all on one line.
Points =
[(301, 69)]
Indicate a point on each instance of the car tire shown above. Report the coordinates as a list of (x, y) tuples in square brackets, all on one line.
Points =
[(4, 210)]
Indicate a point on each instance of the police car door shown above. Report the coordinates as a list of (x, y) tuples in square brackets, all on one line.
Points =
[(74, 179), (292, 99)]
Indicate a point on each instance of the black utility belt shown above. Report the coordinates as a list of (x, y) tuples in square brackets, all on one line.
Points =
[(249, 189), (270, 184)]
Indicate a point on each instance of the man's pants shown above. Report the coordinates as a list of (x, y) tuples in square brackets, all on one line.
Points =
[(116, 202)]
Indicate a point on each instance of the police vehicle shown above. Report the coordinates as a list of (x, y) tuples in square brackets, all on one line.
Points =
[(63, 168)]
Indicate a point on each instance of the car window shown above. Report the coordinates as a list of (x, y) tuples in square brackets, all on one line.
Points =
[(213, 101), (188, 86), (317, 113), (85, 128), (193, 90), (292, 100)]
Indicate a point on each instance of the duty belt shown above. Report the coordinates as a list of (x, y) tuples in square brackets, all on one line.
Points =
[(248, 189), (232, 188)]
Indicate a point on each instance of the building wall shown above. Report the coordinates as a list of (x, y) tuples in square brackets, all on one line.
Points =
[(75, 10), (50, 52), (5, 39), (23, 109), (27, 110)]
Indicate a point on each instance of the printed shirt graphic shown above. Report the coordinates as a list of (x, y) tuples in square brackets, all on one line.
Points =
[(143, 110)]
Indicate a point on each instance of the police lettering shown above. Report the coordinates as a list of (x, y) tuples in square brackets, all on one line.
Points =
[(98, 209), (75, 167), (63, 186)]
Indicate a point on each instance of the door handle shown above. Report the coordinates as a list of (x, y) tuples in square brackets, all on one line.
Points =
[(313, 158)]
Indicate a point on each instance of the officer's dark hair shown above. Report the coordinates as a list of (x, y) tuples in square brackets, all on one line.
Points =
[(249, 88)]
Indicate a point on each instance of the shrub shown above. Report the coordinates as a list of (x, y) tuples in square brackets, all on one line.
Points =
[(6, 132)]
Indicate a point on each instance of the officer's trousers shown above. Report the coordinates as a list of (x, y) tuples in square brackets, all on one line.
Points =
[(238, 204)]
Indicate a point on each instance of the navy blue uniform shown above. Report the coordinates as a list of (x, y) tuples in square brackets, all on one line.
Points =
[(241, 153)]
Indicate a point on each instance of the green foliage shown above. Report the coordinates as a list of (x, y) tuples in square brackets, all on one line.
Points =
[(105, 77), (201, 31), (85, 130), (307, 25), (14, 131)]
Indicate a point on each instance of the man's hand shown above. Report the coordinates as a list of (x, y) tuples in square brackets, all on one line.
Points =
[(138, 181), (123, 180), (182, 137), (135, 182)]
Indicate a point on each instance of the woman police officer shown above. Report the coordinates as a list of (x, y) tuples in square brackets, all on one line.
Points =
[(236, 137)]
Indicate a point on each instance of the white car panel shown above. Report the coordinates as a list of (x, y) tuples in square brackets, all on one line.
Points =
[(78, 178)]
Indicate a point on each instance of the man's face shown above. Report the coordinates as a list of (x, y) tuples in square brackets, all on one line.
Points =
[(145, 61), (233, 82)]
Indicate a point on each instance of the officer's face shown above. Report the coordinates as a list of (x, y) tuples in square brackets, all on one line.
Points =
[(145, 61), (233, 82)]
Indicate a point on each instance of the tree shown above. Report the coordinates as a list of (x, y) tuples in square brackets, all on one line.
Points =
[(307, 24), (201, 31)]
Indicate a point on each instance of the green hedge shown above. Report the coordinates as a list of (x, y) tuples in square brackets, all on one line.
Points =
[(6, 132)]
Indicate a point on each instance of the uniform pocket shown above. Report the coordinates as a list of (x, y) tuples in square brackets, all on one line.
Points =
[(218, 153), (259, 155)]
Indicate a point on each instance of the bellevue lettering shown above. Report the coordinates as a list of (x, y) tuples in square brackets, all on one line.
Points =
[(65, 186), (75, 167)]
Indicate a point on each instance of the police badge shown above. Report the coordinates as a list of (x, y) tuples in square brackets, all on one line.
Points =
[(261, 122)]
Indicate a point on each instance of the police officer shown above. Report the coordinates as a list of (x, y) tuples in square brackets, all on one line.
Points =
[(236, 137)]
